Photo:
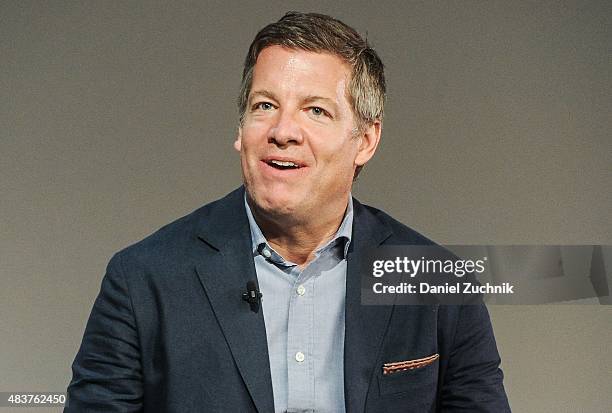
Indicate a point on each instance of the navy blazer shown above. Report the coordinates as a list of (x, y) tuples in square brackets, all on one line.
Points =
[(169, 331)]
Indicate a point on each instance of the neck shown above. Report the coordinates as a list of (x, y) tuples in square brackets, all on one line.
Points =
[(297, 239)]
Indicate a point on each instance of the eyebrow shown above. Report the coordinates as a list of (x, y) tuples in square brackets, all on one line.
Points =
[(264, 93)]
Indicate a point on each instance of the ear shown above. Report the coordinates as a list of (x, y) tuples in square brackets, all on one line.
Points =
[(238, 141), (368, 142)]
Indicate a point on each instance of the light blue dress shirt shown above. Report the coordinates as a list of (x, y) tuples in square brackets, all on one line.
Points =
[(303, 312)]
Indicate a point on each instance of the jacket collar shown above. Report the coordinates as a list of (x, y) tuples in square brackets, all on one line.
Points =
[(224, 222)]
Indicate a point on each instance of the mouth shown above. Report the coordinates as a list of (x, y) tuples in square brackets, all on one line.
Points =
[(283, 165)]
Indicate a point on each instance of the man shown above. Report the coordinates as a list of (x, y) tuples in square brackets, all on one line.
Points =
[(170, 330)]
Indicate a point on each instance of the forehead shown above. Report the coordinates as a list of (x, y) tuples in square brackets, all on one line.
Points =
[(300, 71)]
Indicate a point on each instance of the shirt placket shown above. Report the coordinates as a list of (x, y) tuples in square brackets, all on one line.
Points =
[(300, 328)]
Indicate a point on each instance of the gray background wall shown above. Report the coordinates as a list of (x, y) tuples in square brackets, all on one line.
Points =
[(117, 117)]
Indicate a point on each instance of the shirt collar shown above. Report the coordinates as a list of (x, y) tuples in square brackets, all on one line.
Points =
[(343, 234)]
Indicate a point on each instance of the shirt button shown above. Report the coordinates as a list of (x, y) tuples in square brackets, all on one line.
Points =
[(266, 253), (299, 357), (301, 290)]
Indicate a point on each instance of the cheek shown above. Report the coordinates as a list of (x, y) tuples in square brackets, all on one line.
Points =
[(343, 153), (253, 136)]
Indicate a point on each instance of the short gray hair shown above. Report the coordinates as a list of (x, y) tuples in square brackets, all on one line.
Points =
[(320, 33)]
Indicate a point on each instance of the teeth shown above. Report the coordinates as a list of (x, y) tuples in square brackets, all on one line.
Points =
[(282, 163)]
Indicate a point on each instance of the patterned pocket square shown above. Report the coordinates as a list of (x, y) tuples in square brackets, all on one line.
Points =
[(390, 368)]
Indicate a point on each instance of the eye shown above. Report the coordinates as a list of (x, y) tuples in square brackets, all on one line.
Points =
[(317, 111), (263, 106)]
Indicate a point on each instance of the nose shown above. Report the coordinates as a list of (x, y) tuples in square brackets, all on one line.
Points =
[(286, 130)]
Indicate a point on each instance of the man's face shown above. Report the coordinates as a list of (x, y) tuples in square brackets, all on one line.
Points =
[(298, 144)]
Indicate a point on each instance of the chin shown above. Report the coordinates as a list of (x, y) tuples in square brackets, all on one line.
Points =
[(276, 203), (279, 205)]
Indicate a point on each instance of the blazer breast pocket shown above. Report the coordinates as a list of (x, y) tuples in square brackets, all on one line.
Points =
[(416, 375)]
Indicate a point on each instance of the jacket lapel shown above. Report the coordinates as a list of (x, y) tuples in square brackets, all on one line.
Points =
[(365, 326), (224, 267)]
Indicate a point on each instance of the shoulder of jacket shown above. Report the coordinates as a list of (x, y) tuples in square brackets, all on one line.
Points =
[(402, 234)]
